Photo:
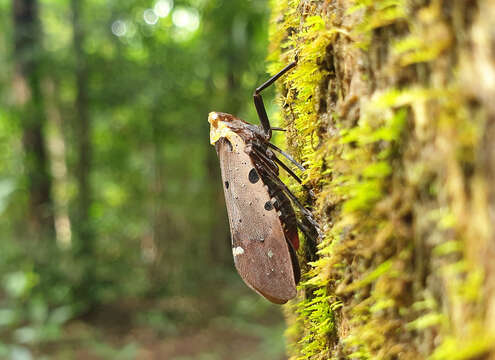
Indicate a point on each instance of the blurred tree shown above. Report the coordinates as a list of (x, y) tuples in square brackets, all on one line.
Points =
[(233, 42), (127, 87), (83, 245), (29, 102), (120, 92)]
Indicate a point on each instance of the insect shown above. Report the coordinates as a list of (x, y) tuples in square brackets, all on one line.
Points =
[(263, 223)]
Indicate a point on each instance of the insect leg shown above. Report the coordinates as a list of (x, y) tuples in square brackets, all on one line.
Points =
[(275, 128), (295, 262), (265, 158), (311, 235), (287, 156), (296, 201), (258, 100), (307, 231), (291, 173), (264, 161), (271, 172), (286, 168)]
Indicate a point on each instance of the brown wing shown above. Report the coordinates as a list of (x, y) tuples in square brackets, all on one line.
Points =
[(261, 252)]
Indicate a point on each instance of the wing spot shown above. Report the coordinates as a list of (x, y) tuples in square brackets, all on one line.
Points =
[(253, 176), (226, 184), (270, 253), (237, 251), (268, 206)]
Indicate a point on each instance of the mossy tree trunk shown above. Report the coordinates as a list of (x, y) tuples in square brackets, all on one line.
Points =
[(392, 110)]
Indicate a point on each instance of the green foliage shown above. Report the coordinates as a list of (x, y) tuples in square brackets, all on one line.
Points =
[(156, 214)]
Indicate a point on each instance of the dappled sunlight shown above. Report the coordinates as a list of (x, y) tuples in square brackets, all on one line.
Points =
[(119, 28), (163, 7), (150, 17)]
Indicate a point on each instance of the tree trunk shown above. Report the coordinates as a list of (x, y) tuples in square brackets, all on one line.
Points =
[(29, 102), (391, 109), (84, 238), (82, 128)]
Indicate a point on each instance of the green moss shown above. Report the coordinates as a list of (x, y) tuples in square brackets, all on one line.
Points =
[(475, 345), (393, 184)]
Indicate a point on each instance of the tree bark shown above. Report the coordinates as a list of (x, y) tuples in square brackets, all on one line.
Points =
[(29, 102), (391, 109)]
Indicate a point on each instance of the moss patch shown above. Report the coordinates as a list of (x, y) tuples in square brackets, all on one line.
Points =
[(396, 156)]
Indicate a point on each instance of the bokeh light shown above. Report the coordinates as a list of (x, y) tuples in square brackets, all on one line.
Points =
[(186, 18), (150, 17), (163, 7), (119, 28)]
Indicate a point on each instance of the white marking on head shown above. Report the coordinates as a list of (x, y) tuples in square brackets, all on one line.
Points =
[(237, 251)]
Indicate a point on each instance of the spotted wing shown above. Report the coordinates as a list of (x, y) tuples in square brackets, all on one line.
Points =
[(262, 255)]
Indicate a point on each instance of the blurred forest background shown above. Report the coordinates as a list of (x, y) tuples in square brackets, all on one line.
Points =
[(114, 237)]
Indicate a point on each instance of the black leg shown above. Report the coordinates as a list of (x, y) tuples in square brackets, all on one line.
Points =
[(286, 168), (309, 232), (268, 161), (272, 173), (287, 156), (258, 101), (306, 213), (264, 160)]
